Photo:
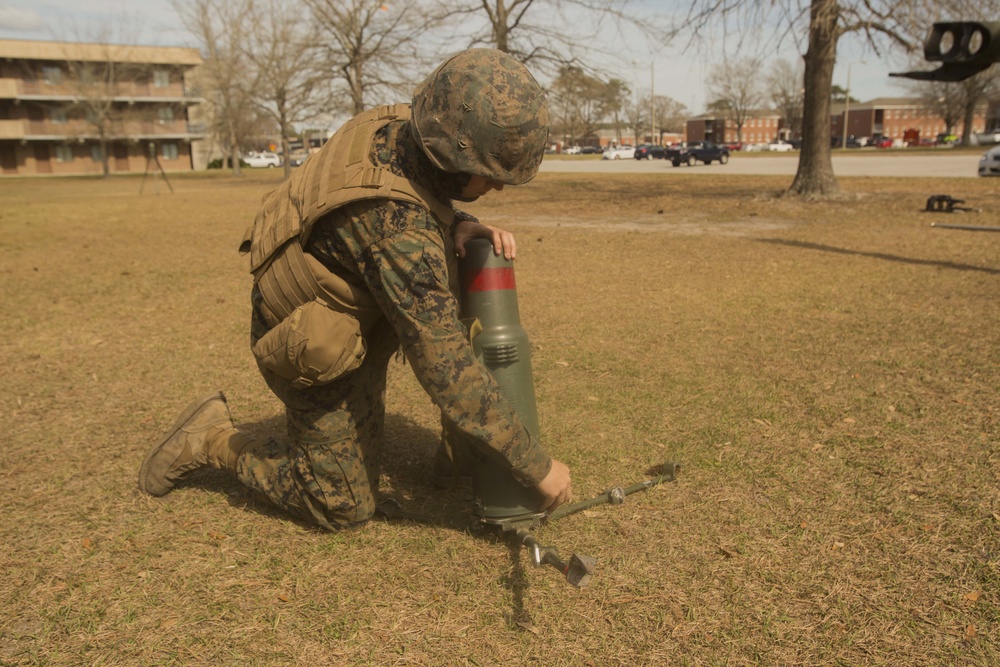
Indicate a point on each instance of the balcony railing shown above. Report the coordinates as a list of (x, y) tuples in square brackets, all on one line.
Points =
[(120, 90), (79, 129)]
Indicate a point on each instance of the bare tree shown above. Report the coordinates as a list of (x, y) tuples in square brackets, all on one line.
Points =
[(97, 83), (976, 92), (671, 115), (373, 48), (823, 23), (546, 33), (957, 103), (288, 85), (637, 114), (944, 100), (576, 101), (735, 89), (784, 86), (613, 101), (224, 76)]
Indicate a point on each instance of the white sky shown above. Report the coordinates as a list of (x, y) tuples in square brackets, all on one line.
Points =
[(676, 74)]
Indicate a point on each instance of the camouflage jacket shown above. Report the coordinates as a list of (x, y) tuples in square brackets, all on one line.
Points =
[(405, 259)]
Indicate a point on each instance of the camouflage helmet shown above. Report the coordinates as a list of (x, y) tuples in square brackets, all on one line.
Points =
[(481, 112)]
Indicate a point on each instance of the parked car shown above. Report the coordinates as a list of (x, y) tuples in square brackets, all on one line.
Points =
[(992, 137), (619, 153), (591, 150), (754, 148), (648, 152), (779, 146), (989, 163), (572, 150), (698, 151), (262, 159), (734, 145), (297, 159), (882, 142)]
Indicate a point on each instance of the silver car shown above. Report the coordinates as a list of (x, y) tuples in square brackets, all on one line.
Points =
[(989, 163)]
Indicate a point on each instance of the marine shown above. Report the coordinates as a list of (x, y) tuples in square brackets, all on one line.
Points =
[(353, 260)]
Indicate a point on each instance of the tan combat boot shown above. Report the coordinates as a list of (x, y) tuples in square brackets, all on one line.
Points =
[(202, 436)]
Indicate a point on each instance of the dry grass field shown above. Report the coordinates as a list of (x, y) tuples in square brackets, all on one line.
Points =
[(826, 373)]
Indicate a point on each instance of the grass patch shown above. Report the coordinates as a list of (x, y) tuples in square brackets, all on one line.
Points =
[(826, 373)]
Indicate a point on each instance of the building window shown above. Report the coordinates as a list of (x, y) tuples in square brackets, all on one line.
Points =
[(51, 74), (58, 116), (64, 153), (95, 152), (169, 151), (166, 114), (161, 78)]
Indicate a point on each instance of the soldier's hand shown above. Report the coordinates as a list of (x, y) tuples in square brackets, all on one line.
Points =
[(556, 488), (502, 240)]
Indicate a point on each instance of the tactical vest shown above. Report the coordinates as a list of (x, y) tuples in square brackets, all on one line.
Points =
[(318, 317)]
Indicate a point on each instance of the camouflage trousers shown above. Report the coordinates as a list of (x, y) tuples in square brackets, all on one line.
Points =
[(327, 471)]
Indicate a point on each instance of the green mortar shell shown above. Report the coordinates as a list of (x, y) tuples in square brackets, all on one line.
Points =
[(489, 295)]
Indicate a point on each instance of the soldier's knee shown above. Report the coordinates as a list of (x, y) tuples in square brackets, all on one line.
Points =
[(351, 514)]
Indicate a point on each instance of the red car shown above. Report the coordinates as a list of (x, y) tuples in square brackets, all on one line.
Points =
[(884, 142)]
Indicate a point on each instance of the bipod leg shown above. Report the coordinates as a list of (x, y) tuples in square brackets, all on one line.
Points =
[(144, 174), (577, 571), (616, 496), (164, 174)]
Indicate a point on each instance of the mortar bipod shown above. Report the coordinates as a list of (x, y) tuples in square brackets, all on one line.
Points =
[(580, 567), (577, 570)]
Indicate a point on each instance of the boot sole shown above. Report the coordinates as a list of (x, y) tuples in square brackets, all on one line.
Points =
[(178, 425)]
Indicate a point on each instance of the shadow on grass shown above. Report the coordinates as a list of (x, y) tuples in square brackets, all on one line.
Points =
[(880, 255), (406, 464)]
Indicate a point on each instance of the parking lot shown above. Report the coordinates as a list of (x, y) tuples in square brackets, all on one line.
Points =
[(962, 164)]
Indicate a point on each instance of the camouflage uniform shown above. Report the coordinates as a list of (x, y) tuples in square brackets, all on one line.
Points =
[(328, 471)]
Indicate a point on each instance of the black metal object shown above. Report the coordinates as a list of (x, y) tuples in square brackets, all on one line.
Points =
[(578, 570), (964, 48), (616, 496), (944, 204), (580, 567)]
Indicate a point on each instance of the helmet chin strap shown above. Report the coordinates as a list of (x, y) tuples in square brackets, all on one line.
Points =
[(457, 183), (450, 184)]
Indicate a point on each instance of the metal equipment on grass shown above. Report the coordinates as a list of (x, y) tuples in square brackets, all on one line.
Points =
[(489, 307)]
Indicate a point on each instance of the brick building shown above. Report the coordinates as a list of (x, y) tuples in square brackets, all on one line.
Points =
[(66, 108), (892, 117), (761, 128)]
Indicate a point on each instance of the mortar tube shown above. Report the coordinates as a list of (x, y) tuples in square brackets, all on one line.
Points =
[(489, 295)]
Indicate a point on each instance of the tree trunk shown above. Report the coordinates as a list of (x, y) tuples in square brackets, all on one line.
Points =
[(105, 167), (234, 152), (967, 121), (815, 172), (286, 128), (357, 90), (500, 27)]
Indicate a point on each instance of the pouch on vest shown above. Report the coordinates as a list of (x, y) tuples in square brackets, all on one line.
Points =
[(314, 345)]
